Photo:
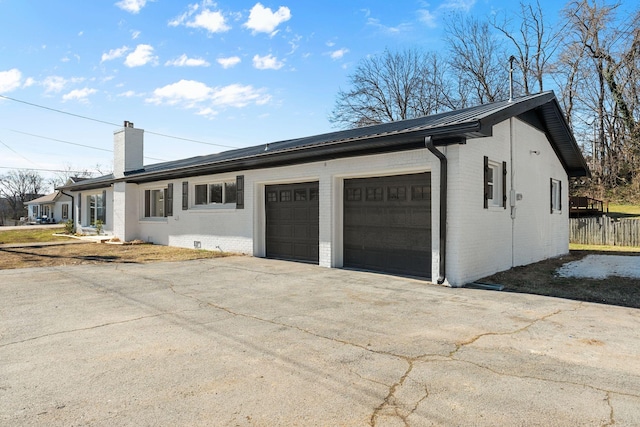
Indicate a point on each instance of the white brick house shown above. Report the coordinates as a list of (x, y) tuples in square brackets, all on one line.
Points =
[(451, 197)]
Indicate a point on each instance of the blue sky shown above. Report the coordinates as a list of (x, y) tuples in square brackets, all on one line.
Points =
[(229, 73)]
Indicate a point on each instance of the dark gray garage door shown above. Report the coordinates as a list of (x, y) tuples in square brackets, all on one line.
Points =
[(292, 217), (387, 224)]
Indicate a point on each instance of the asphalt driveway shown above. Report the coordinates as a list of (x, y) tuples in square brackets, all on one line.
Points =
[(243, 341)]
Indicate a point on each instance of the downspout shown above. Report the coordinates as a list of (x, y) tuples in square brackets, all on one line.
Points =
[(443, 209), (73, 208)]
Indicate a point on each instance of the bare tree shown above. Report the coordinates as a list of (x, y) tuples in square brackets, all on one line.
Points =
[(393, 86), (608, 91), (533, 44), (61, 177), (18, 187), (476, 59)]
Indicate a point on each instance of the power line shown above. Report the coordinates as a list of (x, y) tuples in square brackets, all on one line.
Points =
[(42, 170), (74, 143), (1, 142), (110, 123)]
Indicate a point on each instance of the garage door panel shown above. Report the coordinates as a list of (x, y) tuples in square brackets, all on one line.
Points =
[(292, 221), (388, 228)]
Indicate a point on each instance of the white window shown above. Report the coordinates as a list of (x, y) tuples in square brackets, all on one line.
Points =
[(65, 211), (556, 195), (215, 193), (494, 183), (158, 202), (96, 206)]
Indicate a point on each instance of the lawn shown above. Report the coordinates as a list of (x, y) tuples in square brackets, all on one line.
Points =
[(624, 211), (84, 253), (27, 234)]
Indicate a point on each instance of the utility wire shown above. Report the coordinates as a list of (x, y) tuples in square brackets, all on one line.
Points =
[(74, 143), (110, 123), (42, 170), (17, 153)]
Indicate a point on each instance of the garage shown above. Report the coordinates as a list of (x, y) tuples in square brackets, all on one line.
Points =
[(387, 224), (292, 221)]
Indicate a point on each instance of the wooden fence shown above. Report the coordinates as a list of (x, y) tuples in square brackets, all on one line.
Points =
[(602, 230)]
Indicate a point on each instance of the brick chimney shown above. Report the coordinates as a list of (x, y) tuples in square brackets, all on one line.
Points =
[(127, 150)]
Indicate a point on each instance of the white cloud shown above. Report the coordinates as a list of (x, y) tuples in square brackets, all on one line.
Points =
[(264, 20), (194, 94), (80, 95), (29, 82), (404, 27), (212, 21), (229, 62), (114, 53), (54, 84), (184, 61), (462, 5), (427, 18), (135, 34), (268, 62), (127, 94), (338, 54), (132, 6), (141, 56), (207, 112), (10, 80)]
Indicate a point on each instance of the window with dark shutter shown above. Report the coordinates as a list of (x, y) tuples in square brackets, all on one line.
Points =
[(504, 185), (102, 210), (487, 178), (240, 192), (185, 195), (147, 203), (168, 209)]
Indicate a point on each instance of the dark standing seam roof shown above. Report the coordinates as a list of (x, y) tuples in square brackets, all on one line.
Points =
[(466, 123)]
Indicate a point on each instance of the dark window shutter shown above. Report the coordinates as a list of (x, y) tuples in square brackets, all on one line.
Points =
[(551, 194), (185, 195), (147, 203), (240, 192), (103, 211), (560, 195), (486, 182), (80, 208), (169, 200), (504, 185)]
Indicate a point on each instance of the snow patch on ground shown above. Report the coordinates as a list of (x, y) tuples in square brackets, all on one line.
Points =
[(602, 266)]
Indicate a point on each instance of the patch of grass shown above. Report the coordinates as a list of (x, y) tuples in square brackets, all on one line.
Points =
[(96, 253), (623, 211), (602, 248), (31, 235), (540, 279)]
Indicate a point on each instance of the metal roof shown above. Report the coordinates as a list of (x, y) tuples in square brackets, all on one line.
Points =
[(444, 128)]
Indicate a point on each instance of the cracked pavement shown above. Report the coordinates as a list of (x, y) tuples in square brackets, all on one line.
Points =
[(244, 341)]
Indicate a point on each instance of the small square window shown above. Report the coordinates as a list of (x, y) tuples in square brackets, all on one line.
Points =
[(420, 192), (285, 195), (396, 193), (313, 194), (374, 194), (272, 196), (300, 195), (354, 194)]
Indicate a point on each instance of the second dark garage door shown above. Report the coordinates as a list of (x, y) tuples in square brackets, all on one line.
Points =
[(387, 224), (292, 221)]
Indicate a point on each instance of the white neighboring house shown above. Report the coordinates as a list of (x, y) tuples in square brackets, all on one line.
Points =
[(451, 197), (50, 209)]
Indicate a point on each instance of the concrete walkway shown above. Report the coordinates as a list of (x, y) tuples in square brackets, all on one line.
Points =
[(244, 341)]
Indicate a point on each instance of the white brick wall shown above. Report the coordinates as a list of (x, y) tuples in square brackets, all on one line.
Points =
[(480, 241)]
